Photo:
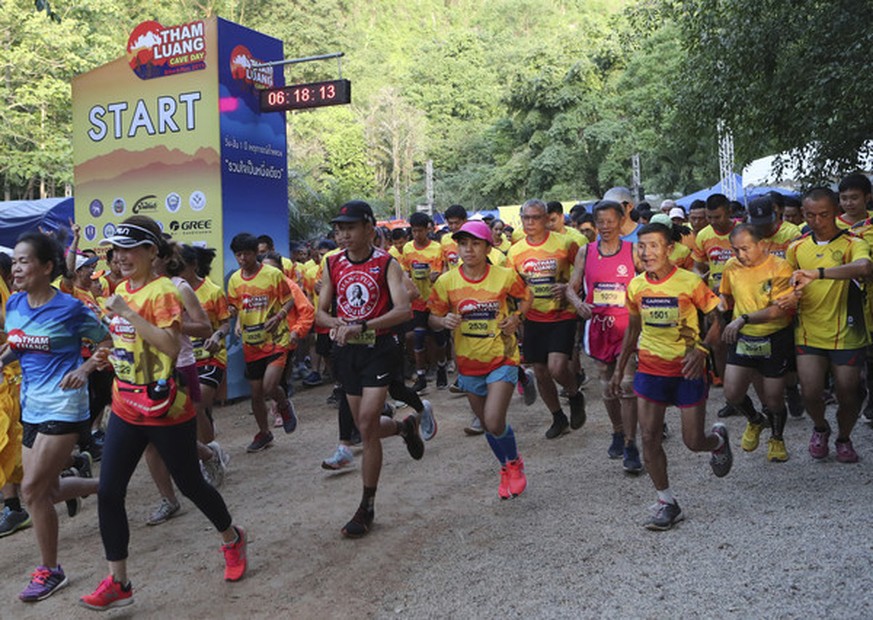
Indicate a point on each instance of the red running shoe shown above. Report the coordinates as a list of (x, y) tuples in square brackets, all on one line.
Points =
[(517, 479), (235, 557), (108, 595)]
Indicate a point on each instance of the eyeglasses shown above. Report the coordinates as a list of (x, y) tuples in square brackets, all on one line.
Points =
[(532, 217)]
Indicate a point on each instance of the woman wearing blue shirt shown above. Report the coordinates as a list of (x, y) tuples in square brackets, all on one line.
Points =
[(45, 330)]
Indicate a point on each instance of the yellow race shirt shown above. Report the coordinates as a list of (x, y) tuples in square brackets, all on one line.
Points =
[(450, 251), (505, 245), (785, 235), (575, 235), (289, 268), (831, 312), (543, 265), (668, 310), (756, 288), (397, 254), (480, 345), (714, 249), (212, 298), (497, 257), (681, 257), (257, 299), (138, 362), (420, 263)]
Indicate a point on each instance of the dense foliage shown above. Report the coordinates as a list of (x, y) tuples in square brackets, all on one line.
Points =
[(509, 98)]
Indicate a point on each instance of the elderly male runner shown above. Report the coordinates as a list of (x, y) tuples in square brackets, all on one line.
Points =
[(366, 351)]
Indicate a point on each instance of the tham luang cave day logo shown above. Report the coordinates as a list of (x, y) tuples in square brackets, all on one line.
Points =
[(155, 51), (242, 68)]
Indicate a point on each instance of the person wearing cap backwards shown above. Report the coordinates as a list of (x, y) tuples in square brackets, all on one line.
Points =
[(366, 351), (830, 332), (472, 302), (149, 407), (544, 259)]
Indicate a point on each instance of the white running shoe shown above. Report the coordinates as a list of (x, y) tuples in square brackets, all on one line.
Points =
[(340, 459)]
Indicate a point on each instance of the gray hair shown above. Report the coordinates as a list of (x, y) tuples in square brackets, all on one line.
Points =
[(619, 195), (534, 202)]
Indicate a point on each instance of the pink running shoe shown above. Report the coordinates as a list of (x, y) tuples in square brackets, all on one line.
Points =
[(517, 479), (503, 490), (846, 452), (818, 444)]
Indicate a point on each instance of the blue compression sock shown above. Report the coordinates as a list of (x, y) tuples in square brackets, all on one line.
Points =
[(507, 443), (496, 447)]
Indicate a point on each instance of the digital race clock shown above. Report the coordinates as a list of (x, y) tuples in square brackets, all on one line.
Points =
[(302, 96)]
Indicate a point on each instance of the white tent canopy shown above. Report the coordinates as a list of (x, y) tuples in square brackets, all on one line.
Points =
[(760, 172)]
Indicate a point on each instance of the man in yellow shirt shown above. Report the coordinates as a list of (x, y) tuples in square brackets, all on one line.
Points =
[(455, 216), (855, 196), (830, 332)]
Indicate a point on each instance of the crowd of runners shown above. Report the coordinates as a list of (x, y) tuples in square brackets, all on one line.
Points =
[(112, 364)]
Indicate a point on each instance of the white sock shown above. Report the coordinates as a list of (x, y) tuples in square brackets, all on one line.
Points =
[(666, 496)]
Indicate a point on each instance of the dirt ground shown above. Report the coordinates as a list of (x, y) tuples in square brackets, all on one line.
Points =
[(770, 540)]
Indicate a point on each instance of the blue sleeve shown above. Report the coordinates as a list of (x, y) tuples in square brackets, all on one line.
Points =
[(88, 325)]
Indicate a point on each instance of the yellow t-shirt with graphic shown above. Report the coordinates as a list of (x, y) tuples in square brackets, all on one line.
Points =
[(756, 288), (668, 310), (785, 235), (138, 362), (480, 345), (714, 249), (212, 298), (450, 251), (543, 265), (830, 314), (257, 299), (420, 263)]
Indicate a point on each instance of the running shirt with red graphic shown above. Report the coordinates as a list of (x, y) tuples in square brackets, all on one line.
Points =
[(361, 290), (214, 302), (542, 265), (714, 249), (480, 345), (257, 298), (420, 263)]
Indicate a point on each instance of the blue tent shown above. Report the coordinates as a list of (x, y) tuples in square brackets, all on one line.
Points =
[(21, 216), (703, 194)]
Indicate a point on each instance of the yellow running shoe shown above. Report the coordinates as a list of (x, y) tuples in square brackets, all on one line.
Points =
[(776, 452), (751, 436)]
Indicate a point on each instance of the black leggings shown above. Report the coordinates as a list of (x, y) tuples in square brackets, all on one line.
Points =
[(122, 450)]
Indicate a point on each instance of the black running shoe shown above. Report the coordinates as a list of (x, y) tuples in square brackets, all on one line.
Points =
[(559, 427), (420, 383), (577, 410), (665, 517), (360, 523), (413, 440), (442, 380)]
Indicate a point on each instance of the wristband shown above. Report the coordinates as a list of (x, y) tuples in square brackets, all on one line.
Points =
[(745, 318), (821, 273)]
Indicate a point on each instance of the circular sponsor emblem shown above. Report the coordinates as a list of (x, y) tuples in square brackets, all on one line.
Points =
[(95, 208), (90, 232), (119, 206), (173, 201), (622, 270), (197, 200), (109, 230), (358, 294)]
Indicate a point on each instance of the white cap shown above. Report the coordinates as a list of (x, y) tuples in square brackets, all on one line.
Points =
[(677, 212)]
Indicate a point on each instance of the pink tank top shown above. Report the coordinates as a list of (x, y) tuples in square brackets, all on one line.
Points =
[(607, 277)]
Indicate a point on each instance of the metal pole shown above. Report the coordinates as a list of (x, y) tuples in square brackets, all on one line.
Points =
[(428, 180), (294, 61)]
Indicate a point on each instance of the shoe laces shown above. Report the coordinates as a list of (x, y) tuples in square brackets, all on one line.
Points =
[(40, 575), (107, 585)]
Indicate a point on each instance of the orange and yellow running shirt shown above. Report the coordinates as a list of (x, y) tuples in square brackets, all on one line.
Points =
[(257, 299), (756, 288), (785, 235), (831, 312), (543, 265), (212, 298), (668, 310), (138, 362), (420, 263), (714, 249), (480, 345), (504, 245), (578, 238), (397, 254), (450, 251), (681, 257)]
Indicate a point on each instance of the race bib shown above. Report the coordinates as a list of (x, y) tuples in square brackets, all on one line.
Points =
[(611, 294), (367, 338), (751, 346), (542, 286), (478, 329), (254, 334), (420, 271), (660, 311)]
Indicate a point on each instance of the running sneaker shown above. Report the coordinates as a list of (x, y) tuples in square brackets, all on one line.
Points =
[(631, 462), (289, 416), (818, 443), (451, 366), (845, 451), (776, 452), (427, 424), (722, 459), (582, 379), (751, 436), (454, 388), (13, 520), (474, 427), (727, 411), (355, 439), (235, 556), (164, 511), (420, 384), (261, 442), (334, 397), (529, 387), (341, 458), (409, 432), (794, 402), (517, 479), (313, 379), (665, 517), (74, 506), (503, 490), (442, 379), (108, 595), (213, 468), (560, 426), (616, 447), (360, 523), (577, 410), (44, 582), (83, 463)]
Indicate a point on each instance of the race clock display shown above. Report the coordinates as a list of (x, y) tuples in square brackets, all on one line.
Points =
[(303, 96)]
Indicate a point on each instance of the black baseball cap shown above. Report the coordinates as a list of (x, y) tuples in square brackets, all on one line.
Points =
[(355, 211), (760, 211)]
